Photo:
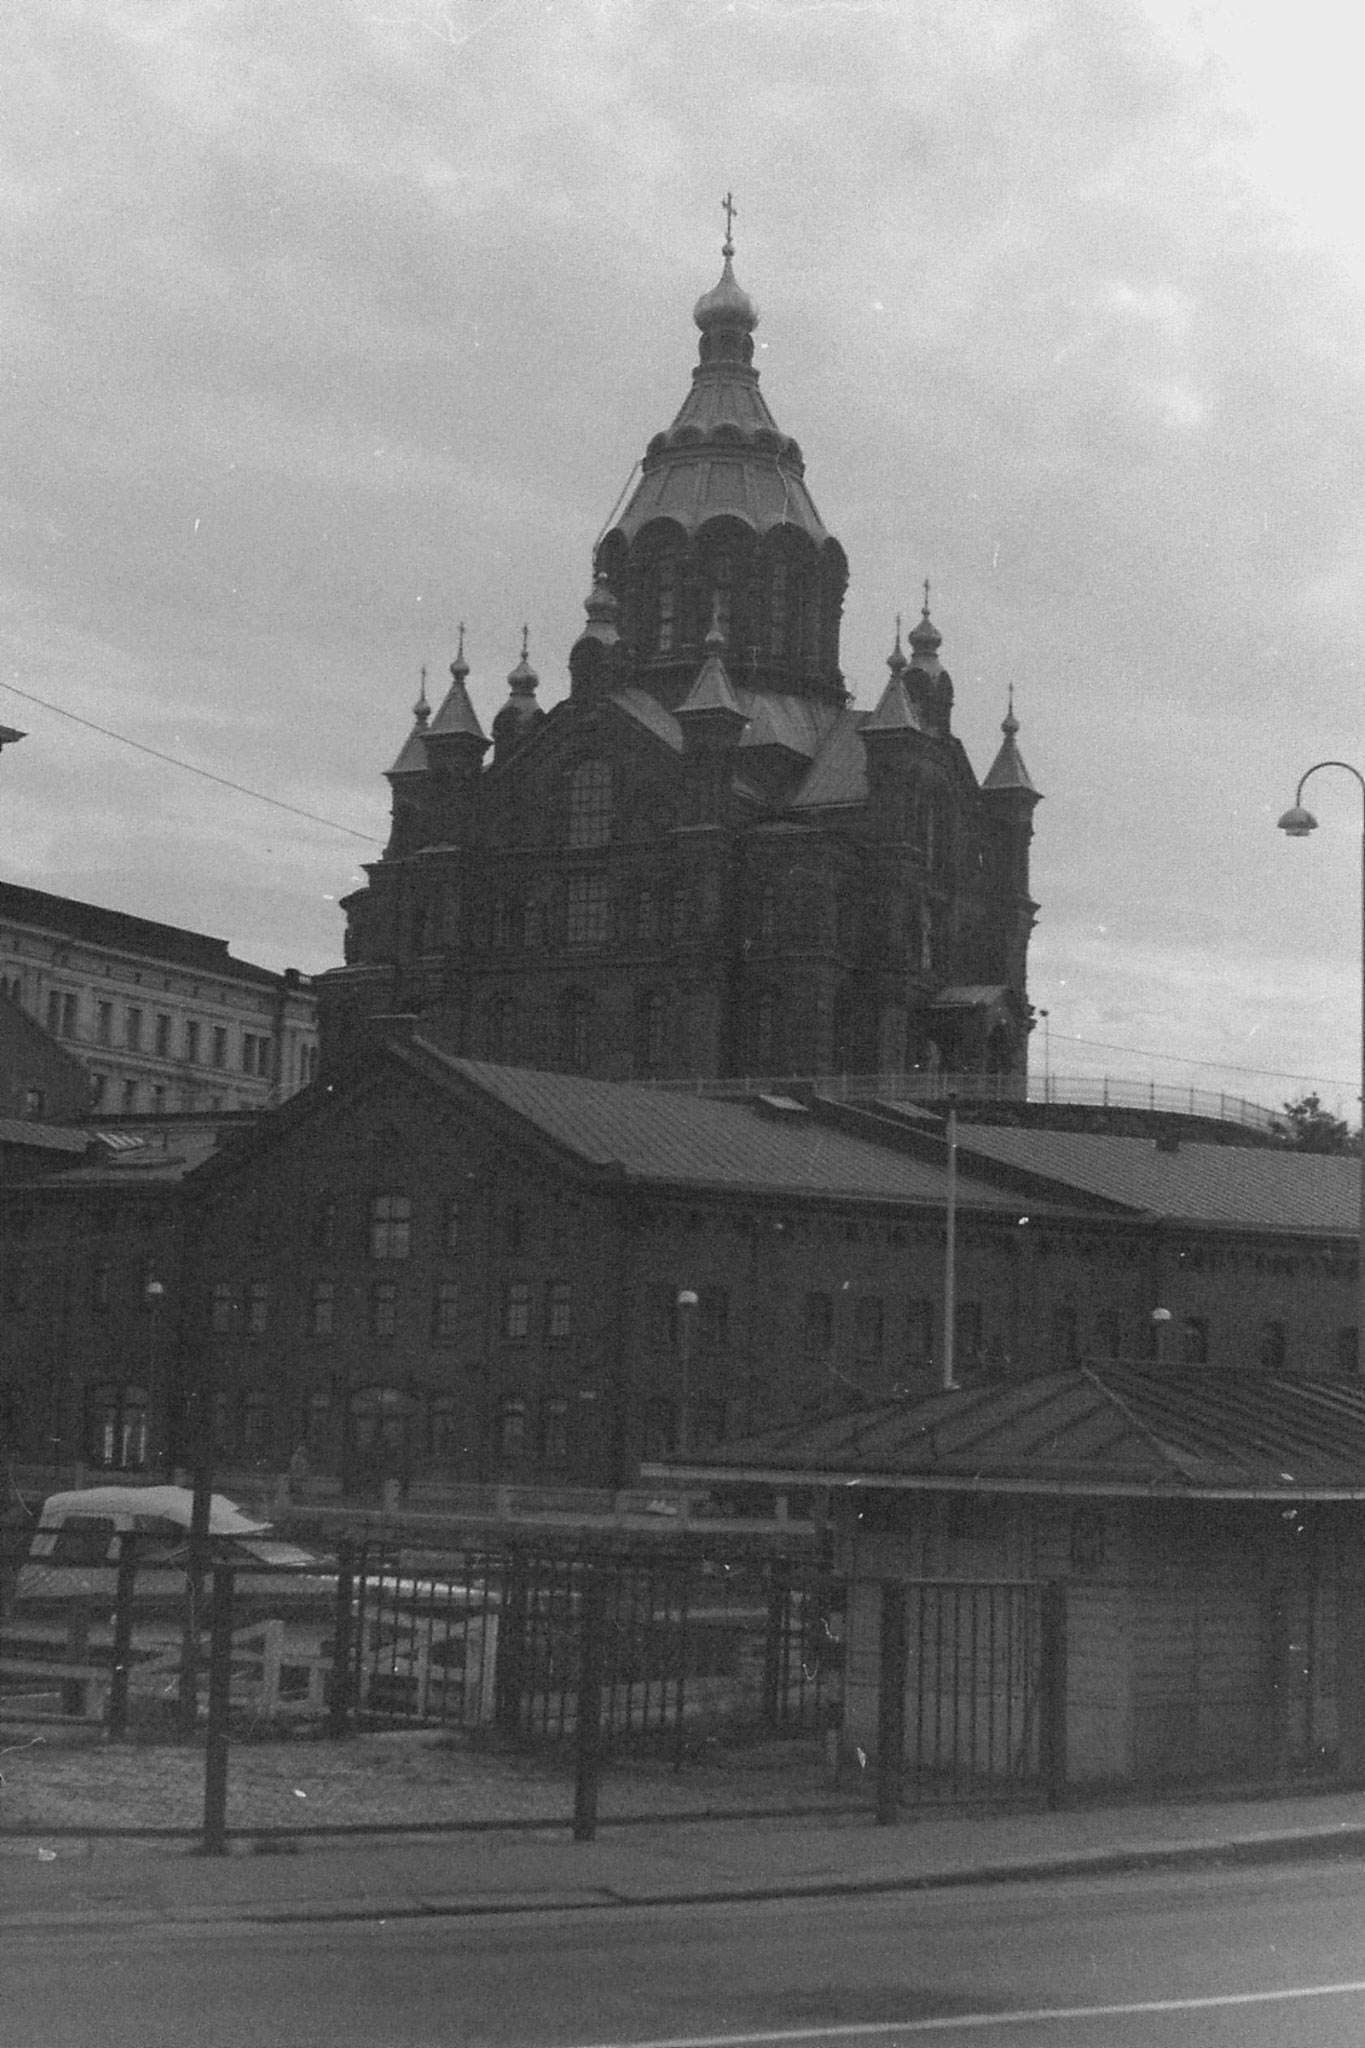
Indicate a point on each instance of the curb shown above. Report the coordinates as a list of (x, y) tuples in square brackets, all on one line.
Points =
[(1246, 1852)]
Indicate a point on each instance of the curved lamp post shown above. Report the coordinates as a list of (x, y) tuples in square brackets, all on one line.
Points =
[(1298, 823)]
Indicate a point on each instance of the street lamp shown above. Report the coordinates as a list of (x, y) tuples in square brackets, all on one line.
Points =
[(1161, 1319), (1047, 1054), (1297, 823), (154, 1293), (687, 1315), (950, 1256)]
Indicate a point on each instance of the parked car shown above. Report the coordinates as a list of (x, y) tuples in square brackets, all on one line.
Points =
[(74, 1551)]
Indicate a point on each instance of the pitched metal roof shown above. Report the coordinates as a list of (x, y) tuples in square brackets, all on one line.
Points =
[(654, 1135), (1250, 1186), (1106, 1429), (41, 1137)]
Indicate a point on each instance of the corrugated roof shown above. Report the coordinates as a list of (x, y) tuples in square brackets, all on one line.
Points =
[(1251, 1186), (692, 1141), (1106, 1428), (40, 1137)]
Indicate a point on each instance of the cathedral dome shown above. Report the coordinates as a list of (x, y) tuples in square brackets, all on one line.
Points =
[(727, 303)]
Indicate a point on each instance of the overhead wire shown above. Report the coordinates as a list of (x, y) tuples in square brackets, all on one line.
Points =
[(189, 767)]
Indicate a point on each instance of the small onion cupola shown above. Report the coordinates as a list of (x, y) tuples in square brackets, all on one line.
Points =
[(521, 713), (931, 686), (593, 657), (709, 714), (1007, 771)]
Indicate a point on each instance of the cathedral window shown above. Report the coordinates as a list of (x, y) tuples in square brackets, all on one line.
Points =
[(646, 919), (767, 916), (588, 911), (777, 610), (390, 1227), (590, 804), (764, 1033), (722, 594), (665, 638)]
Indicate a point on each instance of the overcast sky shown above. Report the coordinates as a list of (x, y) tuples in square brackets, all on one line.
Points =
[(331, 324)]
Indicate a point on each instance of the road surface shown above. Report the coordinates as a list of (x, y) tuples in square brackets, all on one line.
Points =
[(1251, 1958)]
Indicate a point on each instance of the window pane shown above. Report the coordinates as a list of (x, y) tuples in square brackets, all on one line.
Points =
[(590, 804)]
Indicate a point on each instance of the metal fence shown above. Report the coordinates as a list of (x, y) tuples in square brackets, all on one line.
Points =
[(518, 1675)]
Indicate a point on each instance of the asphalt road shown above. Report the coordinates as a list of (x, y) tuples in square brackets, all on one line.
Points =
[(1253, 1958)]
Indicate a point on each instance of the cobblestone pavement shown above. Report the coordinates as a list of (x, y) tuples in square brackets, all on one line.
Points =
[(405, 1780)]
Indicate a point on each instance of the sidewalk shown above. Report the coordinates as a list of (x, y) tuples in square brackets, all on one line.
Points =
[(79, 1882)]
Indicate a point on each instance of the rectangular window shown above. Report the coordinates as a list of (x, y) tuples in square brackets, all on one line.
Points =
[(554, 1434), (258, 1307), (263, 1058), (588, 917), (450, 1228), (129, 1097), (919, 1332), (68, 1016), (99, 1286), (1196, 1346), (322, 1309), (248, 1052), (969, 1331), (163, 1034), (1109, 1333), (445, 1310), (512, 1429), (559, 1309), (132, 1035), (819, 1324), (54, 1010), (220, 1045), (390, 1227), (99, 1088), (158, 1099), (867, 1329), (104, 1023), (192, 1042), (383, 1308), (713, 1318), (220, 1307), (252, 1417), (516, 1309), (443, 1435), (1066, 1334)]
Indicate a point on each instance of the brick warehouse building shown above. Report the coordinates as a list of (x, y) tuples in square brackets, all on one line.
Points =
[(437, 1271), (704, 861)]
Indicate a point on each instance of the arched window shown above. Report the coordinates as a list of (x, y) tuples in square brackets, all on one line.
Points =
[(722, 594), (117, 1433), (590, 804), (666, 608), (777, 609), (575, 1020), (650, 1016)]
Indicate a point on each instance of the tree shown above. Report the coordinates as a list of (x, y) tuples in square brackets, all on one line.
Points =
[(1308, 1127)]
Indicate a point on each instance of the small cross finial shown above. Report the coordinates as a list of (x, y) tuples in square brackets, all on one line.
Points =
[(421, 710), (926, 597), (525, 640), (460, 649), (729, 209), (898, 629)]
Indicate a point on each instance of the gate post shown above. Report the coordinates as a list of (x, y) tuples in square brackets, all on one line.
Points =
[(508, 1683), (123, 1636), (1052, 1682), (588, 1744), (341, 1696), (220, 1701), (891, 1703), (775, 1643)]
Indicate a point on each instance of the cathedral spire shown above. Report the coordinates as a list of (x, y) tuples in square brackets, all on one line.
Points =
[(1007, 771)]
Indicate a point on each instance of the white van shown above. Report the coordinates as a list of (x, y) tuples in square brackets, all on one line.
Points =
[(74, 1551)]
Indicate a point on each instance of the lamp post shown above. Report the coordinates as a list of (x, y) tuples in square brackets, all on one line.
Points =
[(687, 1318), (1161, 1322), (1047, 1054), (950, 1256), (1298, 823), (154, 1293)]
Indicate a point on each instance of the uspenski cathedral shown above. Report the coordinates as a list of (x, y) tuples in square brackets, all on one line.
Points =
[(704, 862)]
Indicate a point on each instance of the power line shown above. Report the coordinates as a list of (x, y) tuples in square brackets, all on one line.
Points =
[(1187, 1060), (190, 767)]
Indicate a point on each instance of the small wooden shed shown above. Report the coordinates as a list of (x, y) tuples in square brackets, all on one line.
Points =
[(1201, 1532)]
